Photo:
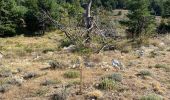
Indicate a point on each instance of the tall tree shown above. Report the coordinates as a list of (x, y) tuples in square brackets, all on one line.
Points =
[(10, 16), (166, 9), (139, 22)]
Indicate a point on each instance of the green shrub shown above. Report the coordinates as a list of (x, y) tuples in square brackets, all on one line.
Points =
[(115, 77), (65, 43), (71, 74), (166, 67), (107, 84), (74, 82), (40, 92), (144, 73), (151, 97), (160, 66)]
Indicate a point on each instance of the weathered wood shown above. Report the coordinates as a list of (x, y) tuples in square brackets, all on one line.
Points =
[(63, 29), (87, 14)]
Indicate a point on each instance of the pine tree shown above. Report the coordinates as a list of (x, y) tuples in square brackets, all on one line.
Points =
[(166, 9), (10, 14), (140, 22)]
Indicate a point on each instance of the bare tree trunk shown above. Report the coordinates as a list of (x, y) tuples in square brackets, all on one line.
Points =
[(88, 20), (87, 15)]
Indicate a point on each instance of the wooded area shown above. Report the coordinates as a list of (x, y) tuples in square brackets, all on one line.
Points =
[(27, 17)]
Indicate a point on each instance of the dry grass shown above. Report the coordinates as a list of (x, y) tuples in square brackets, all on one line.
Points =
[(31, 54)]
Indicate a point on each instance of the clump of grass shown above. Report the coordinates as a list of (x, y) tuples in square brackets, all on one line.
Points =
[(160, 66), (73, 83), (50, 82), (49, 50), (5, 72), (144, 73), (107, 84), (115, 77), (168, 50), (59, 96), (71, 74), (126, 49), (30, 75), (41, 92), (153, 54), (166, 67), (151, 97), (65, 43)]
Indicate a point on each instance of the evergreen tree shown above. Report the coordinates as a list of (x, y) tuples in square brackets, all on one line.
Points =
[(166, 9), (35, 19), (139, 22), (156, 7), (10, 15)]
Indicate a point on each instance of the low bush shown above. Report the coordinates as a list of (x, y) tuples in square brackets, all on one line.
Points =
[(50, 82), (115, 77), (151, 97), (71, 74), (144, 73), (107, 84)]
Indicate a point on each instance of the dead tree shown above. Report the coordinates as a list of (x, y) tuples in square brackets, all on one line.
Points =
[(57, 24), (88, 20)]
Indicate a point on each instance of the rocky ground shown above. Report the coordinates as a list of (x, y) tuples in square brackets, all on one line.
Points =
[(32, 68)]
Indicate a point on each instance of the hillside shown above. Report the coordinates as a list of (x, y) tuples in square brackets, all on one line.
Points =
[(84, 50), (25, 75)]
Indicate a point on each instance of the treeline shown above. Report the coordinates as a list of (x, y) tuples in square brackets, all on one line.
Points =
[(25, 16)]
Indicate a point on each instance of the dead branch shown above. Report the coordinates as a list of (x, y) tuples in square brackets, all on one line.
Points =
[(61, 27)]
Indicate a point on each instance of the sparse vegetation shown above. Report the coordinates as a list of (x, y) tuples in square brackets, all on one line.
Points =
[(40, 92), (58, 96), (4, 88), (151, 97), (160, 66), (94, 95), (122, 46), (50, 82), (163, 66), (144, 73), (30, 75), (107, 84), (71, 74), (115, 77)]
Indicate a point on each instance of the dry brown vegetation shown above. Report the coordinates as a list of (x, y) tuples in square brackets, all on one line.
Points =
[(29, 57)]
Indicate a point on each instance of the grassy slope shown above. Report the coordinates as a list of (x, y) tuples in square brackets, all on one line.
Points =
[(31, 54)]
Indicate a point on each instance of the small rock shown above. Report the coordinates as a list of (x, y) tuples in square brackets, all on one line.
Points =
[(162, 44), (1, 55), (89, 64), (104, 65), (75, 66), (140, 53), (71, 48), (117, 64), (30, 75)]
